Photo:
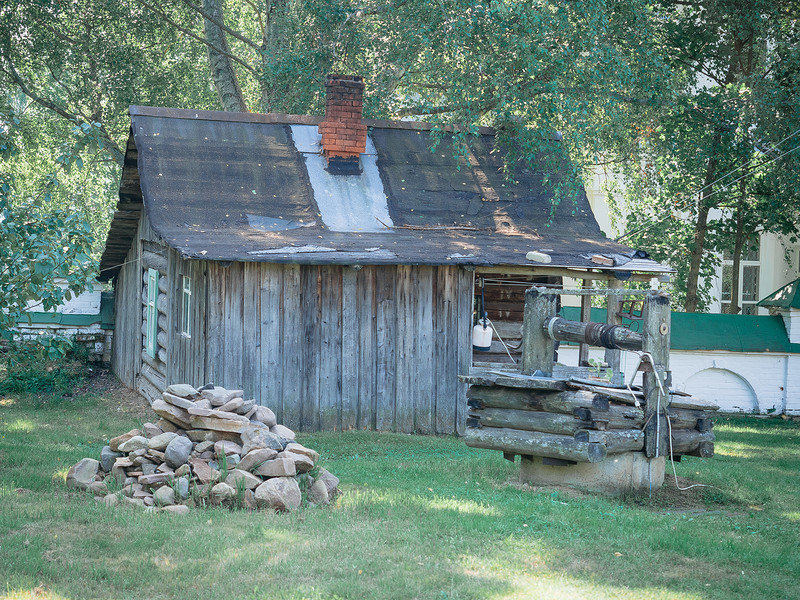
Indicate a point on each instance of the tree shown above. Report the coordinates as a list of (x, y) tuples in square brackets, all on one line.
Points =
[(38, 247), (719, 154)]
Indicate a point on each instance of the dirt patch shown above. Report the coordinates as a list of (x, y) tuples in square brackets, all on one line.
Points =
[(118, 397)]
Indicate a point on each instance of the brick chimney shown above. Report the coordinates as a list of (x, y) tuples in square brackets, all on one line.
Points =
[(344, 136)]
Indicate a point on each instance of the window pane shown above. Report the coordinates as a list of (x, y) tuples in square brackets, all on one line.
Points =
[(727, 282), (749, 309), (186, 320), (750, 283)]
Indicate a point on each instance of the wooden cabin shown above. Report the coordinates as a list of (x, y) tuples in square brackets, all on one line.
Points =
[(327, 265)]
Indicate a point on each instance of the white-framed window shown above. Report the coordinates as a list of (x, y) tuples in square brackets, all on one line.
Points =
[(151, 334), (749, 275), (186, 306)]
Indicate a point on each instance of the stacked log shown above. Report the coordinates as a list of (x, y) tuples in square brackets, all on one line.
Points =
[(575, 422)]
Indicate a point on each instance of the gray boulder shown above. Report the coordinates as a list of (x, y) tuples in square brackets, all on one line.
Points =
[(107, 458), (137, 442), (237, 477), (318, 493), (280, 493), (178, 451), (283, 432), (182, 485), (222, 493), (182, 390), (254, 436), (81, 475), (265, 415), (160, 441), (256, 457), (330, 480), (164, 496)]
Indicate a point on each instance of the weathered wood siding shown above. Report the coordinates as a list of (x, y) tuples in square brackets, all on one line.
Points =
[(326, 347)]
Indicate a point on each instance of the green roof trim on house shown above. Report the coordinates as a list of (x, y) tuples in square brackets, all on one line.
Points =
[(67, 320), (786, 297), (702, 331)]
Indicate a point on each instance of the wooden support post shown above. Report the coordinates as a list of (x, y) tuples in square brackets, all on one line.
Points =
[(655, 341), (538, 348), (612, 356), (586, 316)]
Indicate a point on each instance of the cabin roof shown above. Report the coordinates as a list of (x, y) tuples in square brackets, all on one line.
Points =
[(254, 187)]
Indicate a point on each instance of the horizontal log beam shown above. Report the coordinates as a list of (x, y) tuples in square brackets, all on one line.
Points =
[(526, 420), (534, 443), (602, 335), (552, 402), (615, 442), (688, 441)]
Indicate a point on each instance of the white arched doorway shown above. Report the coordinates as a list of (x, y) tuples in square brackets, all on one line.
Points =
[(731, 391)]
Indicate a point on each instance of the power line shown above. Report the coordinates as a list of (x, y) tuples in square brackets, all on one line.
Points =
[(754, 170)]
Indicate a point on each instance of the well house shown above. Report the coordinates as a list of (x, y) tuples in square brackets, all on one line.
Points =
[(328, 265)]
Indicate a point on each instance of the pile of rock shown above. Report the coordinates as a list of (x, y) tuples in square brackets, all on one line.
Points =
[(210, 447)]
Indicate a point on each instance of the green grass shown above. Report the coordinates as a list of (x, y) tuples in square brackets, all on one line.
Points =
[(420, 517)]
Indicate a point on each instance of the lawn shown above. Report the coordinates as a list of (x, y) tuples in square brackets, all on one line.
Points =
[(420, 517)]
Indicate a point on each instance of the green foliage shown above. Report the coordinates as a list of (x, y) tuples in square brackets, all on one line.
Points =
[(49, 365), (40, 247)]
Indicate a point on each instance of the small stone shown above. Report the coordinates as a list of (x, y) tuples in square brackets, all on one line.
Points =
[(81, 475), (183, 471), (155, 478), (318, 493), (138, 452), (107, 458), (233, 460), (165, 468), (256, 457), (148, 501), (283, 432), (123, 462), (202, 470), (203, 446), (248, 480), (222, 493), (232, 405), (281, 493), (164, 495), (226, 448), (331, 481), (157, 455), (234, 394), (182, 390), (132, 489), (151, 431), (182, 487), (177, 400), (217, 396), (133, 501), (176, 509), (302, 463), (266, 416), (177, 451), (165, 425), (246, 407), (299, 449), (160, 441), (114, 443), (207, 455), (98, 488), (278, 467), (254, 436), (148, 468), (137, 442), (135, 473), (138, 461), (110, 499), (250, 500), (207, 386), (203, 403)]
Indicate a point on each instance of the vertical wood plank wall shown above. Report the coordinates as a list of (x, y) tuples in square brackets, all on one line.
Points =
[(326, 347)]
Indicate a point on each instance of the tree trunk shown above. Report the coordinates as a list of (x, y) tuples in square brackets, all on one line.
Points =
[(222, 73), (273, 39), (701, 226), (736, 281)]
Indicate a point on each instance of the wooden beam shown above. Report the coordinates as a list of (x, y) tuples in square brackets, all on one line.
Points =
[(656, 327), (535, 443), (538, 348)]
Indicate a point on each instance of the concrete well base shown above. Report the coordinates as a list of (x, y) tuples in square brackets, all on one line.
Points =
[(617, 474)]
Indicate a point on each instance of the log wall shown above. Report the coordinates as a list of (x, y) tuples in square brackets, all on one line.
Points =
[(326, 347)]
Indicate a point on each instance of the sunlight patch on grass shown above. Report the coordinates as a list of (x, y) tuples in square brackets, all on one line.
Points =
[(20, 426), (792, 516), (7, 402), (465, 507), (39, 593)]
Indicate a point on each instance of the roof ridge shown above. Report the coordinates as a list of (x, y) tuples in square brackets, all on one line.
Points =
[(284, 119)]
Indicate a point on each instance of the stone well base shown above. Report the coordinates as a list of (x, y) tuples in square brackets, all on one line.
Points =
[(617, 474)]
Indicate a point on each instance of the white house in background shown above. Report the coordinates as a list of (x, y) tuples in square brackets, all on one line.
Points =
[(775, 263)]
